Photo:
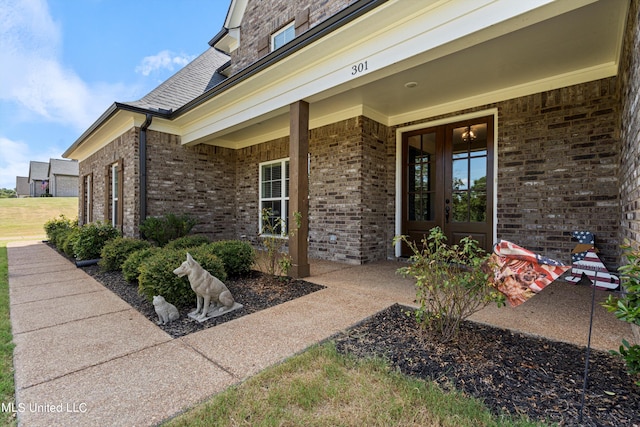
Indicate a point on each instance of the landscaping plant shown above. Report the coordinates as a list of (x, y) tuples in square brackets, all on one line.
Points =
[(116, 251), (450, 282), (157, 278), (190, 241), (274, 237), (237, 256), (627, 306), (57, 229), (92, 238), (131, 266), (166, 228)]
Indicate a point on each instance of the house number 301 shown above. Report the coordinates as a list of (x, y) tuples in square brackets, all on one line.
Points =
[(359, 68)]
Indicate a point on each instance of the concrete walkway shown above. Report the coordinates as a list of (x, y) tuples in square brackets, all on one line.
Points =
[(84, 357)]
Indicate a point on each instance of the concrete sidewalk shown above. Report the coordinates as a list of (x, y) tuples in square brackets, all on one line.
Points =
[(84, 357)]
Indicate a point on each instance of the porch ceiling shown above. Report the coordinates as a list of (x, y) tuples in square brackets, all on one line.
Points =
[(580, 45)]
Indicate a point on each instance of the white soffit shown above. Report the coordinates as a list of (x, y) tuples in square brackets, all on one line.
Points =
[(459, 53)]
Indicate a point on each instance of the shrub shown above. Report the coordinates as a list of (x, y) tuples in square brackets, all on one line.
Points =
[(237, 256), (627, 306), (67, 240), (157, 278), (166, 228), (131, 266), (450, 282), (115, 252), (57, 227), (92, 237), (273, 239), (188, 242)]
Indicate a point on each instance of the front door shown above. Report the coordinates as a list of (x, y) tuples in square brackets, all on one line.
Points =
[(447, 181)]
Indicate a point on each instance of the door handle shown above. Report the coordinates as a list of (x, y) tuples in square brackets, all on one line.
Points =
[(446, 214)]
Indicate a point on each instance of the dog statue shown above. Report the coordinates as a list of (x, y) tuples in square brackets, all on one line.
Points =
[(208, 290), (166, 312)]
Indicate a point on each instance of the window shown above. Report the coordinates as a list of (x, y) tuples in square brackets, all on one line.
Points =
[(113, 203), (274, 195), (87, 202), (283, 36), (115, 194)]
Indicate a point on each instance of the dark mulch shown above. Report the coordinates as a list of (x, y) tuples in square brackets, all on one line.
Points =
[(255, 292), (510, 372)]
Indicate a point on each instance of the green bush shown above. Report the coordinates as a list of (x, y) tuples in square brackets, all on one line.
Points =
[(131, 266), (237, 256), (58, 227), (450, 282), (157, 278), (627, 306), (92, 237), (115, 252), (67, 240), (190, 241), (163, 229)]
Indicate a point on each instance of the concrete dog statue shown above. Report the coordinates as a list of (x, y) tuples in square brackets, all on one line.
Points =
[(208, 289), (166, 312)]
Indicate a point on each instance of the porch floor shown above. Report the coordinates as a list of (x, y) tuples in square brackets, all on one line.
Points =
[(84, 357)]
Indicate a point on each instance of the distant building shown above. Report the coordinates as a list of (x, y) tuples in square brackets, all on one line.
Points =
[(38, 178), (63, 178), (22, 186)]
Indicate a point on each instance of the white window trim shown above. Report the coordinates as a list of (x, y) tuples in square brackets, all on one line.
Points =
[(283, 198), (114, 194), (281, 31), (87, 195)]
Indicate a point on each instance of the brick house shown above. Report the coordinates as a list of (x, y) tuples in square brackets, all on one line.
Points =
[(512, 120)]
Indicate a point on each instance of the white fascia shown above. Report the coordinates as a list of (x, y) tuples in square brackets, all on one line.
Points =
[(409, 33)]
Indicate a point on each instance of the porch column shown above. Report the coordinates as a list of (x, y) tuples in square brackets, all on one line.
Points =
[(299, 187)]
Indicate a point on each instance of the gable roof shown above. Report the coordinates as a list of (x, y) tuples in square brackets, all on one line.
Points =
[(188, 83), (38, 171), (22, 185), (63, 167)]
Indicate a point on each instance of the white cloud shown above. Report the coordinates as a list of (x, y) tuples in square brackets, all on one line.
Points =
[(33, 77), (163, 60)]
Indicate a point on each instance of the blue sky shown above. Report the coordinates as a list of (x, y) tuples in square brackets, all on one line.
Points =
[(65, 61)]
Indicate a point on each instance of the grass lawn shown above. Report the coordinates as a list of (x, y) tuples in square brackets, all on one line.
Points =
[(321, 387), (24, 218)]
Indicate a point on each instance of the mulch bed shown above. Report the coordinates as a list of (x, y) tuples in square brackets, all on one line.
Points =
[(511, 372), (255, 292)]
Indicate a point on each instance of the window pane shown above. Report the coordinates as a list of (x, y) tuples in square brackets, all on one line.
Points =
[(478, 206), (460, 174), (460, 206)]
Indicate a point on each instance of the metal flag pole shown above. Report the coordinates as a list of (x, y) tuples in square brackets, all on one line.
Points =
[(586, 363)]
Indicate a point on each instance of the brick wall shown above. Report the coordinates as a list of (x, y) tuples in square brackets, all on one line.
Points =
[(558, 156), (247, 199), (124, 147), (629, 89), (198, 181), (264, 17)]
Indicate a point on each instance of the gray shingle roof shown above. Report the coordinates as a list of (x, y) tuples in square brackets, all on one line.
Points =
[(38, 170), (63, 167), (187, 84)]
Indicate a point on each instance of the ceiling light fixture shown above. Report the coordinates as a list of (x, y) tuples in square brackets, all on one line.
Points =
[(410, 85)]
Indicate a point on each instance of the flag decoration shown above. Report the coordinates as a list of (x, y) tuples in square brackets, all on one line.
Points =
[(586, 240), (519, 274), (586, 262)]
